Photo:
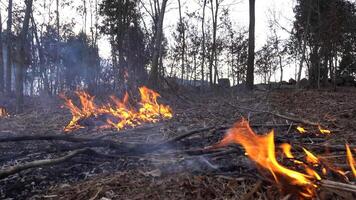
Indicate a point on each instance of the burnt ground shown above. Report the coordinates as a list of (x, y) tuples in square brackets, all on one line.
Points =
[(182, 169)]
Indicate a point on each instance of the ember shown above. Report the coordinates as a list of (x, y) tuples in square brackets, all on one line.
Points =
[(121, 112)]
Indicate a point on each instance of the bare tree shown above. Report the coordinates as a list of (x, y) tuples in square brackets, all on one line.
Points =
[(22, 58), (9, 49), (154, 76), (1, 60), (304, 40), (203, 42), (251, 47), (182, 33), (213, 58)]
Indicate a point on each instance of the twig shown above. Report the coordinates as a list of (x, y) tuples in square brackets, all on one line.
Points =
[(185, 135), (67, 138), (250, 194), (294, 119), (338, 186), (38, 163)]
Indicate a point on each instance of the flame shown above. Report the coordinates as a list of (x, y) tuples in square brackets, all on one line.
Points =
[(122, 113), (286, 148), (301, 129), (311, 158), (3, 112), (324, 131), (261, 149), (350, 159)]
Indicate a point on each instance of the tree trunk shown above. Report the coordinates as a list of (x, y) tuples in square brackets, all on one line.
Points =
[(251, 47), (304, 40), (43, 72), (182, 38), (9, 49), (154, 76), (23, 58), (281, 68), (203, 44), (2, 84)]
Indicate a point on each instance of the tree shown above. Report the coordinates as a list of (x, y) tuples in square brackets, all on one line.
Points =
[(2, 75), (23, 58), (122, 22), (251, 47), (203, 42), (266, 61), (181, 29), (9, 49), (327, 27), (154, 75)]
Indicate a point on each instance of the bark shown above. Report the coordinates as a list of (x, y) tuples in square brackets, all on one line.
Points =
[(9, 49), (251, 47), (23, 58), (2, 84), (154, 76)]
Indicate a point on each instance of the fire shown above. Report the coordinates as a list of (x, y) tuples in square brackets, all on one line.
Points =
[(311, 158), (287, 150), (121, 113), (3, 112), (301, 129), (350, 160), (324, 131), (261, 149)]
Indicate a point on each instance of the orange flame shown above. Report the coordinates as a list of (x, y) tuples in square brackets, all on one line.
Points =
[(311, 158), (122, 113), (261, 149), (350, 159), (3, 112), (286, 148)]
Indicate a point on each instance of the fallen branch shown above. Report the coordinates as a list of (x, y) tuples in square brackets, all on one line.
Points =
[(38, 163), (185, 135), (66, 137)]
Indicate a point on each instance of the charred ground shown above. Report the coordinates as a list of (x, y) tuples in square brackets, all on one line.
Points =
[(182, 167)]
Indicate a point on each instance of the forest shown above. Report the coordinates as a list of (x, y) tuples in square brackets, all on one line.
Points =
[(177, 99)]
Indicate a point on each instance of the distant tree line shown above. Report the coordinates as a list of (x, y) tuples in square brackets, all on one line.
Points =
[(44, 55)]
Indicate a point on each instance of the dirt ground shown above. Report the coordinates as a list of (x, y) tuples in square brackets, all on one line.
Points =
[(179, 171)]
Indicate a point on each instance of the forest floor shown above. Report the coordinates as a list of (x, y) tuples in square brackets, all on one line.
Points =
[(184, 170)]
